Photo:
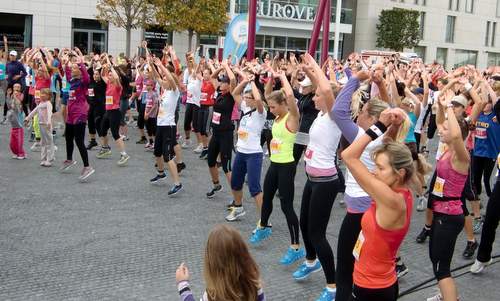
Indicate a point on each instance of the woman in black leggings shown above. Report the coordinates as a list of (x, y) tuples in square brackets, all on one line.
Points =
[(95, 96)]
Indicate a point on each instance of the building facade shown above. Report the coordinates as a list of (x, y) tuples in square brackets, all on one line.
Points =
[(453, 32)]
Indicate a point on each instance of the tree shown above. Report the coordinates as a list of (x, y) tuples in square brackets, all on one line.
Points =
[(398, 28), (127, 14), (195, 16)]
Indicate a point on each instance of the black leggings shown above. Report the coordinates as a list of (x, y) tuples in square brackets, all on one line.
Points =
[(490, 224), (221, 142), (348, 235), (76, 132), (141, 108), (188, 116), (317, 203), (151, 126), (432, 127), (375, 294), (202, 120), (444, 232), (111, 120), (281, 176), (482, 169), (95, 117)]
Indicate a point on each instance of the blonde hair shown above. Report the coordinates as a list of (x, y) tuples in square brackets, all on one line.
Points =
[(399, 158), (277, 96), (230, 271), (404, 127)]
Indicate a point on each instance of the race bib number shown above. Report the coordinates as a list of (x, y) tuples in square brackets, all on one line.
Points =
[(276, 146), (203, 96), (109, 100), (242, 135), (37, 94), (216, 118), (309, 154), (438, 187), (71, 95), (189, 96), (481, 133), (356, 251), (91, 92)]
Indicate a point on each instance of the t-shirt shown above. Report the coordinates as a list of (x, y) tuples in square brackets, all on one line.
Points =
[(410, 137), (166, 109), (420, 120), (113, 93), (193, 93), (3, 71), (223, 108), (251, 126), (152, 101), (207, 93), (487, 136)]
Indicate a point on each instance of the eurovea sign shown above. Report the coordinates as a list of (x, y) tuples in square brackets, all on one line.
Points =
[(280, 10)]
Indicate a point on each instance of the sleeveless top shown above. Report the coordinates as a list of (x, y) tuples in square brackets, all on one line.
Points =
[(376, 248), (448, 187), (282, 142)]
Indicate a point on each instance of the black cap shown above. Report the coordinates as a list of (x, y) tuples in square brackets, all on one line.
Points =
[(224, 79)]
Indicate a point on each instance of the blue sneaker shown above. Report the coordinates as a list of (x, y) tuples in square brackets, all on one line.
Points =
[(260, 234), (326, 295), (292, 256), (304, 271)]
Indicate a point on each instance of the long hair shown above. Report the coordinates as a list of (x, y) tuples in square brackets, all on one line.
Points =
[(399, 158), (231, 273)]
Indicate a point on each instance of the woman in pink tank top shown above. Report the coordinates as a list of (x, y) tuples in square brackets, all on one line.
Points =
[(386, 223), (451, 174)]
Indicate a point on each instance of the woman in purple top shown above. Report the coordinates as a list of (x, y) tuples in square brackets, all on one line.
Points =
[(78, 79), (230, 271)]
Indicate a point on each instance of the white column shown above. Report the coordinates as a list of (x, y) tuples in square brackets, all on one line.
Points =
[(337, 29), (232, 8)]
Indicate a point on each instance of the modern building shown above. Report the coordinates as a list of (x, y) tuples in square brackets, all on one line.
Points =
[(454, 32)]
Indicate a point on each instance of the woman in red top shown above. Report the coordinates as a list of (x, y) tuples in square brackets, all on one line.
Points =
[(385, 224), (206, 101)]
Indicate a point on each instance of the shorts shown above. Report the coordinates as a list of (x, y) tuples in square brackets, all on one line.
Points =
[(165, 142), (202, 120), (111, 120), (251, 166)]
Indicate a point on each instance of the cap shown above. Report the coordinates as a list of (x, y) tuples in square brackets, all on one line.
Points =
[(459, 99), (306, 82), (13, 53), (418, 91), (224, 79)]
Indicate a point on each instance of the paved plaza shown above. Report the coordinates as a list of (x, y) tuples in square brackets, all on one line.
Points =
[(119, 238)]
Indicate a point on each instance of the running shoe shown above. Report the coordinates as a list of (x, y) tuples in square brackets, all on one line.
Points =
[(421, 203), (422, 237), (204, 153), (14, 156), (260, 234), (147, 145), (303, 271), (67, 164), (35, 147), (46, 164), (104, 153), (86, 172), (470, 249), (174, 190), (477, 225), (125, 138), (123, 160), (291, 255), (150, 148), (215, 189), (91, 144), (230, 205), (21, 157), (327, 295), (198, 149), (479, 266), (180, 167), (437, 297), (235, 214), (186, 143), (159, 178), (143, 140), (401, 270)]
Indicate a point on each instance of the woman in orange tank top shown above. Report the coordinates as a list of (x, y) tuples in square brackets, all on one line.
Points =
[(385, 224)]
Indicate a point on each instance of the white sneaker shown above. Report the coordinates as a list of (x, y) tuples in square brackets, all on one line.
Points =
[(186, 143), (421, 203), (235, 213), (479, 266), (35, 147), (437, 297), (198, 149)]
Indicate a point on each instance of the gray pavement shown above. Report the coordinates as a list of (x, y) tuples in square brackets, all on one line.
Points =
[(119, 238)]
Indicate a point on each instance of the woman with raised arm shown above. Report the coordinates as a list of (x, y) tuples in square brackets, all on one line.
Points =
[(445, 197), (385, 224), (281, 173)]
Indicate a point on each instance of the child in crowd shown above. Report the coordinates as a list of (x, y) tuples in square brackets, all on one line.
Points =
[(152, 102), (230, 271), (15, 115), (44, 111)]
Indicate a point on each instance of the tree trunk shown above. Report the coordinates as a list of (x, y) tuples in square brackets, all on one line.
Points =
[(127, 43), (190, 40)]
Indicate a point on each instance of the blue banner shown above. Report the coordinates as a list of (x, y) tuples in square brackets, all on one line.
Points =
[(236, 41)]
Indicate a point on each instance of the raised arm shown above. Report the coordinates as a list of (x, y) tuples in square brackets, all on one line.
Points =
[(294, 117), (257, 97), (236, 93)]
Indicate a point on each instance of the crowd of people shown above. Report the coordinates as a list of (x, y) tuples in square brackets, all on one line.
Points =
[(375, 118)]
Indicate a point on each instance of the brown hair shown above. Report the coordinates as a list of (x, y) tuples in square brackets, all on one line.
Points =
[(464, 127), (399, 158), (230, 271), (277, 96)]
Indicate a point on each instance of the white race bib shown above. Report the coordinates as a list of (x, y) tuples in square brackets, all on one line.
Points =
[(91, 92), (216, 118), (356, 251)]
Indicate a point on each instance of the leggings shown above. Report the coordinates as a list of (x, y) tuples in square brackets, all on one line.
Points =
[(432, 127), (281, 176), (202, 119), (151, 126), (76, 132), (375, 294), (444, 232), (317, 203), (348, 235), (111, 120), (188, 116), (490, 224), (141, 108), (482, 169), (95, 116)]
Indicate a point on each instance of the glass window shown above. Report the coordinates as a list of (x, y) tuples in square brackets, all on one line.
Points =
[(259, 41), (450, 29), (17, 29), (493, 59), (297, 44), (465, 57), (280, 42), (469, 6), (268, 40), (89, 35), (420, 51), (441, 56)]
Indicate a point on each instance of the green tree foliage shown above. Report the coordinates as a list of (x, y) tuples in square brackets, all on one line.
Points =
[(195, 16), (398, 28), (126, 14)]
